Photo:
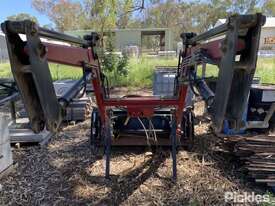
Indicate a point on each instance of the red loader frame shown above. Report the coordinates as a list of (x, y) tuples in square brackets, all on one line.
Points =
[(30, 69)]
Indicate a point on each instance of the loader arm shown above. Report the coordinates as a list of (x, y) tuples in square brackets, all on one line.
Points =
[(29, 64), (235, 54)]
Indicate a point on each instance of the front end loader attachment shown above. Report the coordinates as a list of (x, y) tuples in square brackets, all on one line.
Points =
[(32, 75), (235, 53)]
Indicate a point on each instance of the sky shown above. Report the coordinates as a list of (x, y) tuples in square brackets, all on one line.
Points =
[(12, 7)]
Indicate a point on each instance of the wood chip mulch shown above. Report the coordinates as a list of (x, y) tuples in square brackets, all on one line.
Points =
[(65, 173)]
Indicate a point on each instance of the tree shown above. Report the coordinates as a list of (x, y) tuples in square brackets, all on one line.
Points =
[(243, 6), (103, 14), (48, 26), (22, 16), (196, 16), (114, 65), (125, 9), (269, 8), (89, 14), (66, 14), (178, 15)]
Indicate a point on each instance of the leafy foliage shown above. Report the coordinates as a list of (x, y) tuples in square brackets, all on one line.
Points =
[(113, 65), (180, 16), (66, 14), (269, 8), (22, 16), (101, 15)]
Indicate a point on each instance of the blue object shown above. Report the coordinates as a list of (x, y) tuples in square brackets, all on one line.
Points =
[(228, 131)]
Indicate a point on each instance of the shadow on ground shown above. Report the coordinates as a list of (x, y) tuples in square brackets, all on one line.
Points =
[(65, 173)]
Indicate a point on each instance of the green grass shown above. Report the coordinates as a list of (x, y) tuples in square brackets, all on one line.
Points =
[(5, 70), (58, 71), (266, 70), (141, 71)]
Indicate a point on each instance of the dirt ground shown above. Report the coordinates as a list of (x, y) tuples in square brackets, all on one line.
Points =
[(65, 173)]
